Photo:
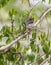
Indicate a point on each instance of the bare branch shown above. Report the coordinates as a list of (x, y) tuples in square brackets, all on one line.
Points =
[(7, 47), (42, 16)]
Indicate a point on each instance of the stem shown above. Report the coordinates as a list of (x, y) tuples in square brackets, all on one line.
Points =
[(45, 61), (47, 27), (29, 3), (33, 7), (12, 24), (42, 16)]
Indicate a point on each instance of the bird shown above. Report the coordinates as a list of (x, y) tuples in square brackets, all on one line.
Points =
[(28, 21)]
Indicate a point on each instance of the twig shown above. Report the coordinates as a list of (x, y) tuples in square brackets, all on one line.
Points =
[(47, 27), (29, 3), (19, 54), (7, 47), (45, 60), (12, 25), (34, 6), (42, 16)]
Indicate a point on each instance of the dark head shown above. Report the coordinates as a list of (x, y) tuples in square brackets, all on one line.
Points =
[(29, 20)]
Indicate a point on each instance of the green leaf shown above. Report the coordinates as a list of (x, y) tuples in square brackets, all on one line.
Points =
[(10, 57), (32, 45), (45, 48), (6, 30), (1, 56), (9, 40), (34, 35), (50, 51), (12, 12), (49, 43), (3, 2), (39, 59), (1, 62), (18, 44), (13, 49), (38, 49), (43, 36), (1, 37), (31, 57)]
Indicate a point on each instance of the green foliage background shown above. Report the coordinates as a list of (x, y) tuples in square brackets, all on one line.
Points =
[(18, 14)]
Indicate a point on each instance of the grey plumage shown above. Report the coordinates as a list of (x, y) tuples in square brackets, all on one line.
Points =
[(28, 20)]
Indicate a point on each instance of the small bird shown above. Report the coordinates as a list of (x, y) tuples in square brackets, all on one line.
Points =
[(28, 20)]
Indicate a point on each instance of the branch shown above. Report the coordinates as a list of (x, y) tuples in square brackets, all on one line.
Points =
[(29, 3), (42, 16), (45, 61), (33, 7), (7, 47)]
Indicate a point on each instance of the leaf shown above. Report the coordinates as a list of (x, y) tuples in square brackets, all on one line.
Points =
[(43, 36), (32, 45), (50, 51), (9, 40), (12, 12), (1, 62), (10, 57), (49, 43), (34, 35), (6, 30), (18, 44), (45, 48), (3, 2), (13, 49), (1, 56), (1, 37), (39, 59), (31, 57), (38, 49)]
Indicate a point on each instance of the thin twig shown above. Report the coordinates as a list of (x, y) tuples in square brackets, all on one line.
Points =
[(47, 27), (12, 25), (34, 6), (45, 60), (5, 48), (42, 16)]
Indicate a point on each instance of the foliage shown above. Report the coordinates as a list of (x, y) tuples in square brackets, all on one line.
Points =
[(18, 55), (3, 3)]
